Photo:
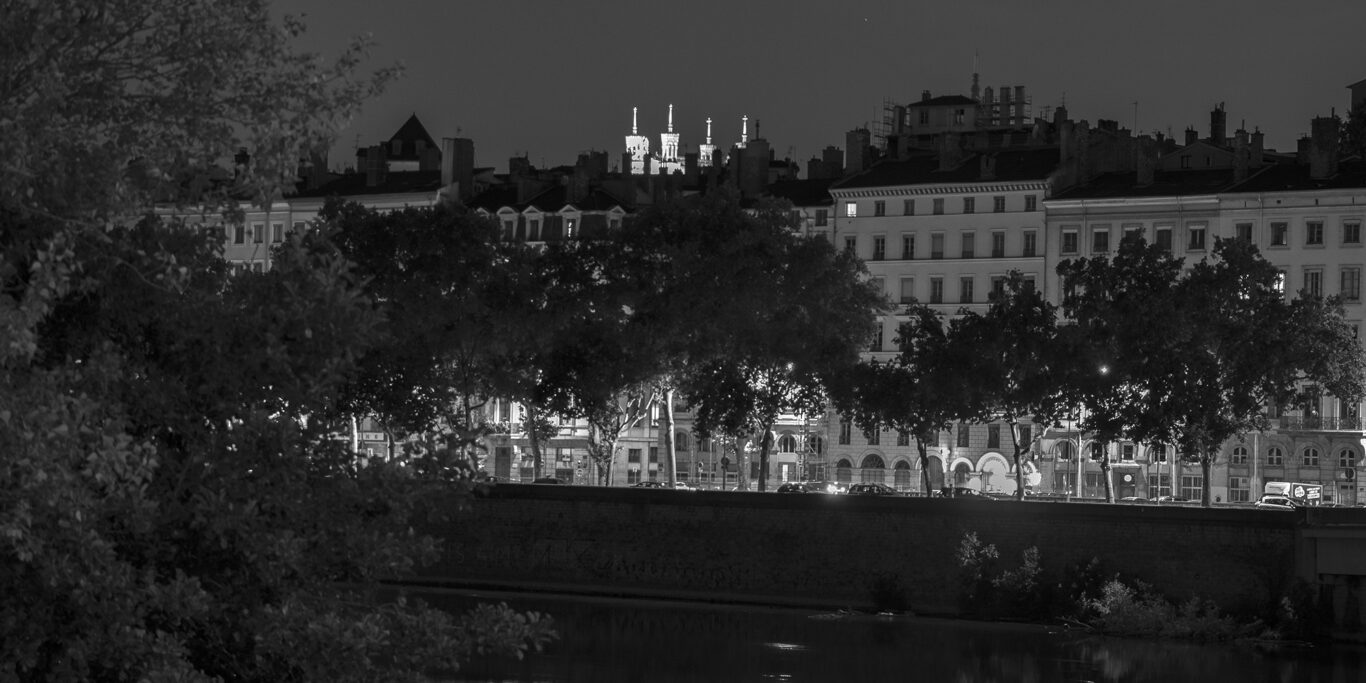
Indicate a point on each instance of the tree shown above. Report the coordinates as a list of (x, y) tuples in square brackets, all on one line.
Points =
[(762, 317), (918, 392), (1352, 139), (1195, 357), (1010, 364), (175, 505)]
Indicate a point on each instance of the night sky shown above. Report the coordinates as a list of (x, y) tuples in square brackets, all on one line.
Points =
[(552, 78)]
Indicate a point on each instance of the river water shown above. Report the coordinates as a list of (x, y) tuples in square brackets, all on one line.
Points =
[(606, 640)]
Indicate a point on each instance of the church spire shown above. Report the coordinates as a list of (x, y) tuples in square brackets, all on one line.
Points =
[(744, 130), (633, 120), (709, 130), (671, 118)]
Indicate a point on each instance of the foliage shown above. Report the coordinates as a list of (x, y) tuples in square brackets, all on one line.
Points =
[(755, 318), (174, 503), (1010, 364), (1352, 138), (1193, 358), (1136, 610), (987, 590)]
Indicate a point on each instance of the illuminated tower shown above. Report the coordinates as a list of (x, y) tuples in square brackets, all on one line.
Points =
[(638, 146), (744, 131), (668, 147), (707, 150)]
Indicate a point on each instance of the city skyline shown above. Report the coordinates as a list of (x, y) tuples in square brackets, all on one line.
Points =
[(551, 80)]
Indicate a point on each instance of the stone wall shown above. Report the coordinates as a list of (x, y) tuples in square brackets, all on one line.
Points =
[(825, 551)]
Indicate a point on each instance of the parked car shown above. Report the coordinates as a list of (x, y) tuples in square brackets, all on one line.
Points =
[(1272, 502), (962, 492), (1135, 499), (869, 489), (1171, 499), (649, 485), (809, 487)]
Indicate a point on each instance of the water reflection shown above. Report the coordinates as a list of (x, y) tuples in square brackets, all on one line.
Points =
[(619, 640)]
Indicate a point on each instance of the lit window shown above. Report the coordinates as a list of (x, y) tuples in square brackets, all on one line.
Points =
[(570, 226), (851, 209)]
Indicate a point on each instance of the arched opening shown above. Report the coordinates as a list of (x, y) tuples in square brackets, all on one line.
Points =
[(873, 469), (844, 471), (962, 473), (902, 476), (787, 444)]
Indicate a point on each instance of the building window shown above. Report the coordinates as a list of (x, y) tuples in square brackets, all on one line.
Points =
[(936, 290), (938, 206), (908, 247), (879, 208), (969, 244), (570, 225), (1031, 243), (993, 436), (998, 286), (1280, 234), (1031, 203), (908, 207), (822, 217), (879, 248), (1100, 241), (1275, 457), (845, 430), (1279, 285), (874, 436), (533, 230), (1069, 241), (1313, 282), (277, 232), (633, 455), (924, 117), (1132, 232), (963, 435), (1347, 458), (958, 116), (1192, 487), (1351, 284), (1351, 232), (851, 209), (1313, 233), (1243, 231), (1238, 456), (1163, 238), (998, 244), (1310, 457), (1197, 237), (1126, 451), (998, 204), (258, 232), (969, 205), (851, 244), (937, 245), (907, 290), (1185, 161), (903, 438), (239, 234), (1239, 490), (1026, 435), (965, 290), (1158, 453)]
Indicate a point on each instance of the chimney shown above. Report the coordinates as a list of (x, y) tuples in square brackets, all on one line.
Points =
[(1191, 136), (457, 165), (924, 96), (376, 166), (1257, 151), (1323, 147), (1241, 155), (1218, 123)]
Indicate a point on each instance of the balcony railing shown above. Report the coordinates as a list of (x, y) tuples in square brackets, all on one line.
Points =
[(1320, 424)]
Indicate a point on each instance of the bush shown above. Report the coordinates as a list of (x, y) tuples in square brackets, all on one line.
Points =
[(1137, 610)]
